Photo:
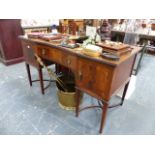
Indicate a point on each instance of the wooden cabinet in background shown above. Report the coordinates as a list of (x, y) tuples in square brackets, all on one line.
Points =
[(10, 45)]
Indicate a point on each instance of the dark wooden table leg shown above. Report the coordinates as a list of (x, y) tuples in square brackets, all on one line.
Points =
[(104, 113), (29, 73), (77, 102), (124, 93), (140, 59), (41, 79)]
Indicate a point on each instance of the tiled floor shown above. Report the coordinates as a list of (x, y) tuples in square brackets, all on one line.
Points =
[(23, 110)]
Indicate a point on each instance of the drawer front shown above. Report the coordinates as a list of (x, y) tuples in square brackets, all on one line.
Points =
[(94, 78), (57, 56), (69, 61), (28, 51), (49, 53), (43, 51)]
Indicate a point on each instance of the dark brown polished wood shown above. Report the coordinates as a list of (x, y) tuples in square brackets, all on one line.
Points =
[(99, 77), (10, 46)]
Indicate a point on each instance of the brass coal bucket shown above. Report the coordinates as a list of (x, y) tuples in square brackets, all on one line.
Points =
[(67, 99)]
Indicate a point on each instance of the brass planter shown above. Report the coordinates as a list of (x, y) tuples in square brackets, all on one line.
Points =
[(67, 99)]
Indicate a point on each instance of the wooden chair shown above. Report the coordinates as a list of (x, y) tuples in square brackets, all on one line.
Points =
[(30, 59)]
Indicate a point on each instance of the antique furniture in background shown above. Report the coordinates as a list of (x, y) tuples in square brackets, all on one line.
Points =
[(105, 30), (98, 77), (144, 40), (68, 27), (10, 45), (87, 22)]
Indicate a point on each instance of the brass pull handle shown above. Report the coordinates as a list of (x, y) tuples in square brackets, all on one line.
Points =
[(28, 46), (80, 75), (43, 51), (68, 61)]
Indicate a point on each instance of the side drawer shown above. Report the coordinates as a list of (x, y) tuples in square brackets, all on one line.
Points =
[(28, 51), (95, 78)]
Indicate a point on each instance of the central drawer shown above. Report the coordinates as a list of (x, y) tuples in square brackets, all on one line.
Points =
[(59, 56), (49, 53), (69, 61)]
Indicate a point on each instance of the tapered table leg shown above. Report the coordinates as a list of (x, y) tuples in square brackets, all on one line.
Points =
[(77, 102), (41, 79), (140, 59), (104, 113), (29, 73), (124, 93)]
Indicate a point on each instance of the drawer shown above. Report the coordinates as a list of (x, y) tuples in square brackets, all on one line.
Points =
[(86, 74), (69, 61), (93, 77), (49, 53), (58, 56), (28, 51), (27, 48), (43, 51)]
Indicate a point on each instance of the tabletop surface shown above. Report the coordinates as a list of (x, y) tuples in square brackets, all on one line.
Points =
[(78, 51)]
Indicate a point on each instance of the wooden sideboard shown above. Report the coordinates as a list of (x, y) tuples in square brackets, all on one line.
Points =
[(98, 77), (10, 45)]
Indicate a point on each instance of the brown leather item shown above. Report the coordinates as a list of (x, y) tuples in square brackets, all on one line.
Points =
[(118, 49), (112, 46), (34, 35), (49, 37)]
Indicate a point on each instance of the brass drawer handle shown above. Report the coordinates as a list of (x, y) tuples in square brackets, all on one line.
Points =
[(80, 75), (69, 61), (43, 51), (28, 46)]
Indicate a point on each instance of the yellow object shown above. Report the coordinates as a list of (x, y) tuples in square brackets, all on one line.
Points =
[(92, 50), (67, 100)]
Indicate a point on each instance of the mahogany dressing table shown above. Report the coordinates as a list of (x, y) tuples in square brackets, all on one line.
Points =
[(98, 77)]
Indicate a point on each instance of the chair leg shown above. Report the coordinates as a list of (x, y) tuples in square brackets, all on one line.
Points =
[(41, 79), (29, 73), (104, 113)]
